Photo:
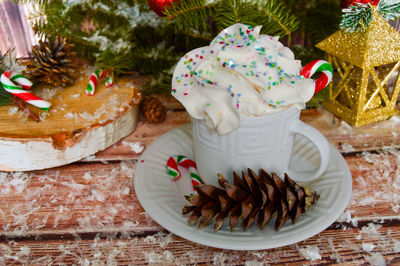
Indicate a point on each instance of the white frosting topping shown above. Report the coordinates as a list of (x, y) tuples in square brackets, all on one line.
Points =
[(242, 72)]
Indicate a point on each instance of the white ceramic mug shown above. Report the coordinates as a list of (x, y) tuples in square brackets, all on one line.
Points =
[(259, 142)]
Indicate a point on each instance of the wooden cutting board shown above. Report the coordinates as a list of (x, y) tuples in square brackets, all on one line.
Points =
[(76, 126)]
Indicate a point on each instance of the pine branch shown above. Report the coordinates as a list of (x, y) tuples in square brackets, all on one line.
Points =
[(160, 85), (276, 18), (189, 15), (356, 17), (321, 20), (389, 10), (154, 59), (4, 96), (229, 12), (121, 61)]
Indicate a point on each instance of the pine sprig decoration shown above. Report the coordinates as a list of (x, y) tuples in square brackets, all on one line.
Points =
[(389, 10), (358, 16), (276, 18), (4, 96), (229, 12), (190, 15), (118, 61), (202, 15)]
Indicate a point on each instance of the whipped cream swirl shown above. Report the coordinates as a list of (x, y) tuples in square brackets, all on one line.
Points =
[(241, 73)]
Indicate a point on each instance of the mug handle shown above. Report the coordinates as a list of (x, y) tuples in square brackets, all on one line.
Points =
[(322, 145)]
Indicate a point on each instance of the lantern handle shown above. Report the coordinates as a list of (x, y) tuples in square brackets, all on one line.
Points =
[(318, 66)]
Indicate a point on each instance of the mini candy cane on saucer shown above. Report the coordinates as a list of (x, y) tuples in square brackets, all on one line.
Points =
[(94, 78), (7, 79), (180, 160), (318, 66)]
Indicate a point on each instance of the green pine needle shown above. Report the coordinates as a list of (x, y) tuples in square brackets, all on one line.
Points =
[(273, 15), (359, 16), (356, 17), (119, 61), (275, 18), (389, 10), (4, 96), (191, 15)]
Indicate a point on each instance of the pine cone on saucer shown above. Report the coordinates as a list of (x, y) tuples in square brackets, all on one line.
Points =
[(153, 110), (251, 198)]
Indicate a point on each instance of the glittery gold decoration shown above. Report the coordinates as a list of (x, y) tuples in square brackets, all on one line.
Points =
[(367, 83)]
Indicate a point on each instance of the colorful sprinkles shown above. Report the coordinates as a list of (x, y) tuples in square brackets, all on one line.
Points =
[(240, 39), (244, 65)]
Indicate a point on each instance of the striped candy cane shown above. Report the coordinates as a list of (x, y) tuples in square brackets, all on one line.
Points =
[(180, 160), (7, 79), (318, 66), (94, 78)]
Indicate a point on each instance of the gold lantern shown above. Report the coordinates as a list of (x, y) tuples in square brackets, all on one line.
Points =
[(367, 64)]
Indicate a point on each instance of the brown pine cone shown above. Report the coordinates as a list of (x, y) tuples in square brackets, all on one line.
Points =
[(153, 110), (250, 198), (54, 62)]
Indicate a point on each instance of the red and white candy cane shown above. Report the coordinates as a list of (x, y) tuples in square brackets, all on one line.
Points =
[(180, 160), (318, 66), (94, 79), (19, 90)]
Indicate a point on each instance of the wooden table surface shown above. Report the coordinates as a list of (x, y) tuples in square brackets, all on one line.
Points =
[(87, 212)]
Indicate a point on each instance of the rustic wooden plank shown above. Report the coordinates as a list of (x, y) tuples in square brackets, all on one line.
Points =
[(74, 198), (370, 244), (144, 135), (380, 135), (99, 197)]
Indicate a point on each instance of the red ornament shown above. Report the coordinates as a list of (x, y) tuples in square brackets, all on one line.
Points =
[(347, 3), (158, 6)]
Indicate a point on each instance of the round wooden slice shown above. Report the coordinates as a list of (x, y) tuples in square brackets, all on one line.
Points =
[(76, 126)]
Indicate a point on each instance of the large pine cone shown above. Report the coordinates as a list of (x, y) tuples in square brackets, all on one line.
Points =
[(54, 62), (250, 197), (153, 110)]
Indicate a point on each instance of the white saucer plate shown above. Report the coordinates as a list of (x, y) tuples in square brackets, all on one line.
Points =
[(163, 199)]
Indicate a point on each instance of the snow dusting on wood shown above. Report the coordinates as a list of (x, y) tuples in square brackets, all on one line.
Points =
[(87, 213)]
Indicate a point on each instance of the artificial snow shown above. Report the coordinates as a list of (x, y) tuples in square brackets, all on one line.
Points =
[(48, 93), (368, 247), (136, 147), (395, 119), (13, 110), (347, 217), (376, 259), (347, 147), (310, 253), (396, 245), (158, 258), (70, 115), (102, 201)]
